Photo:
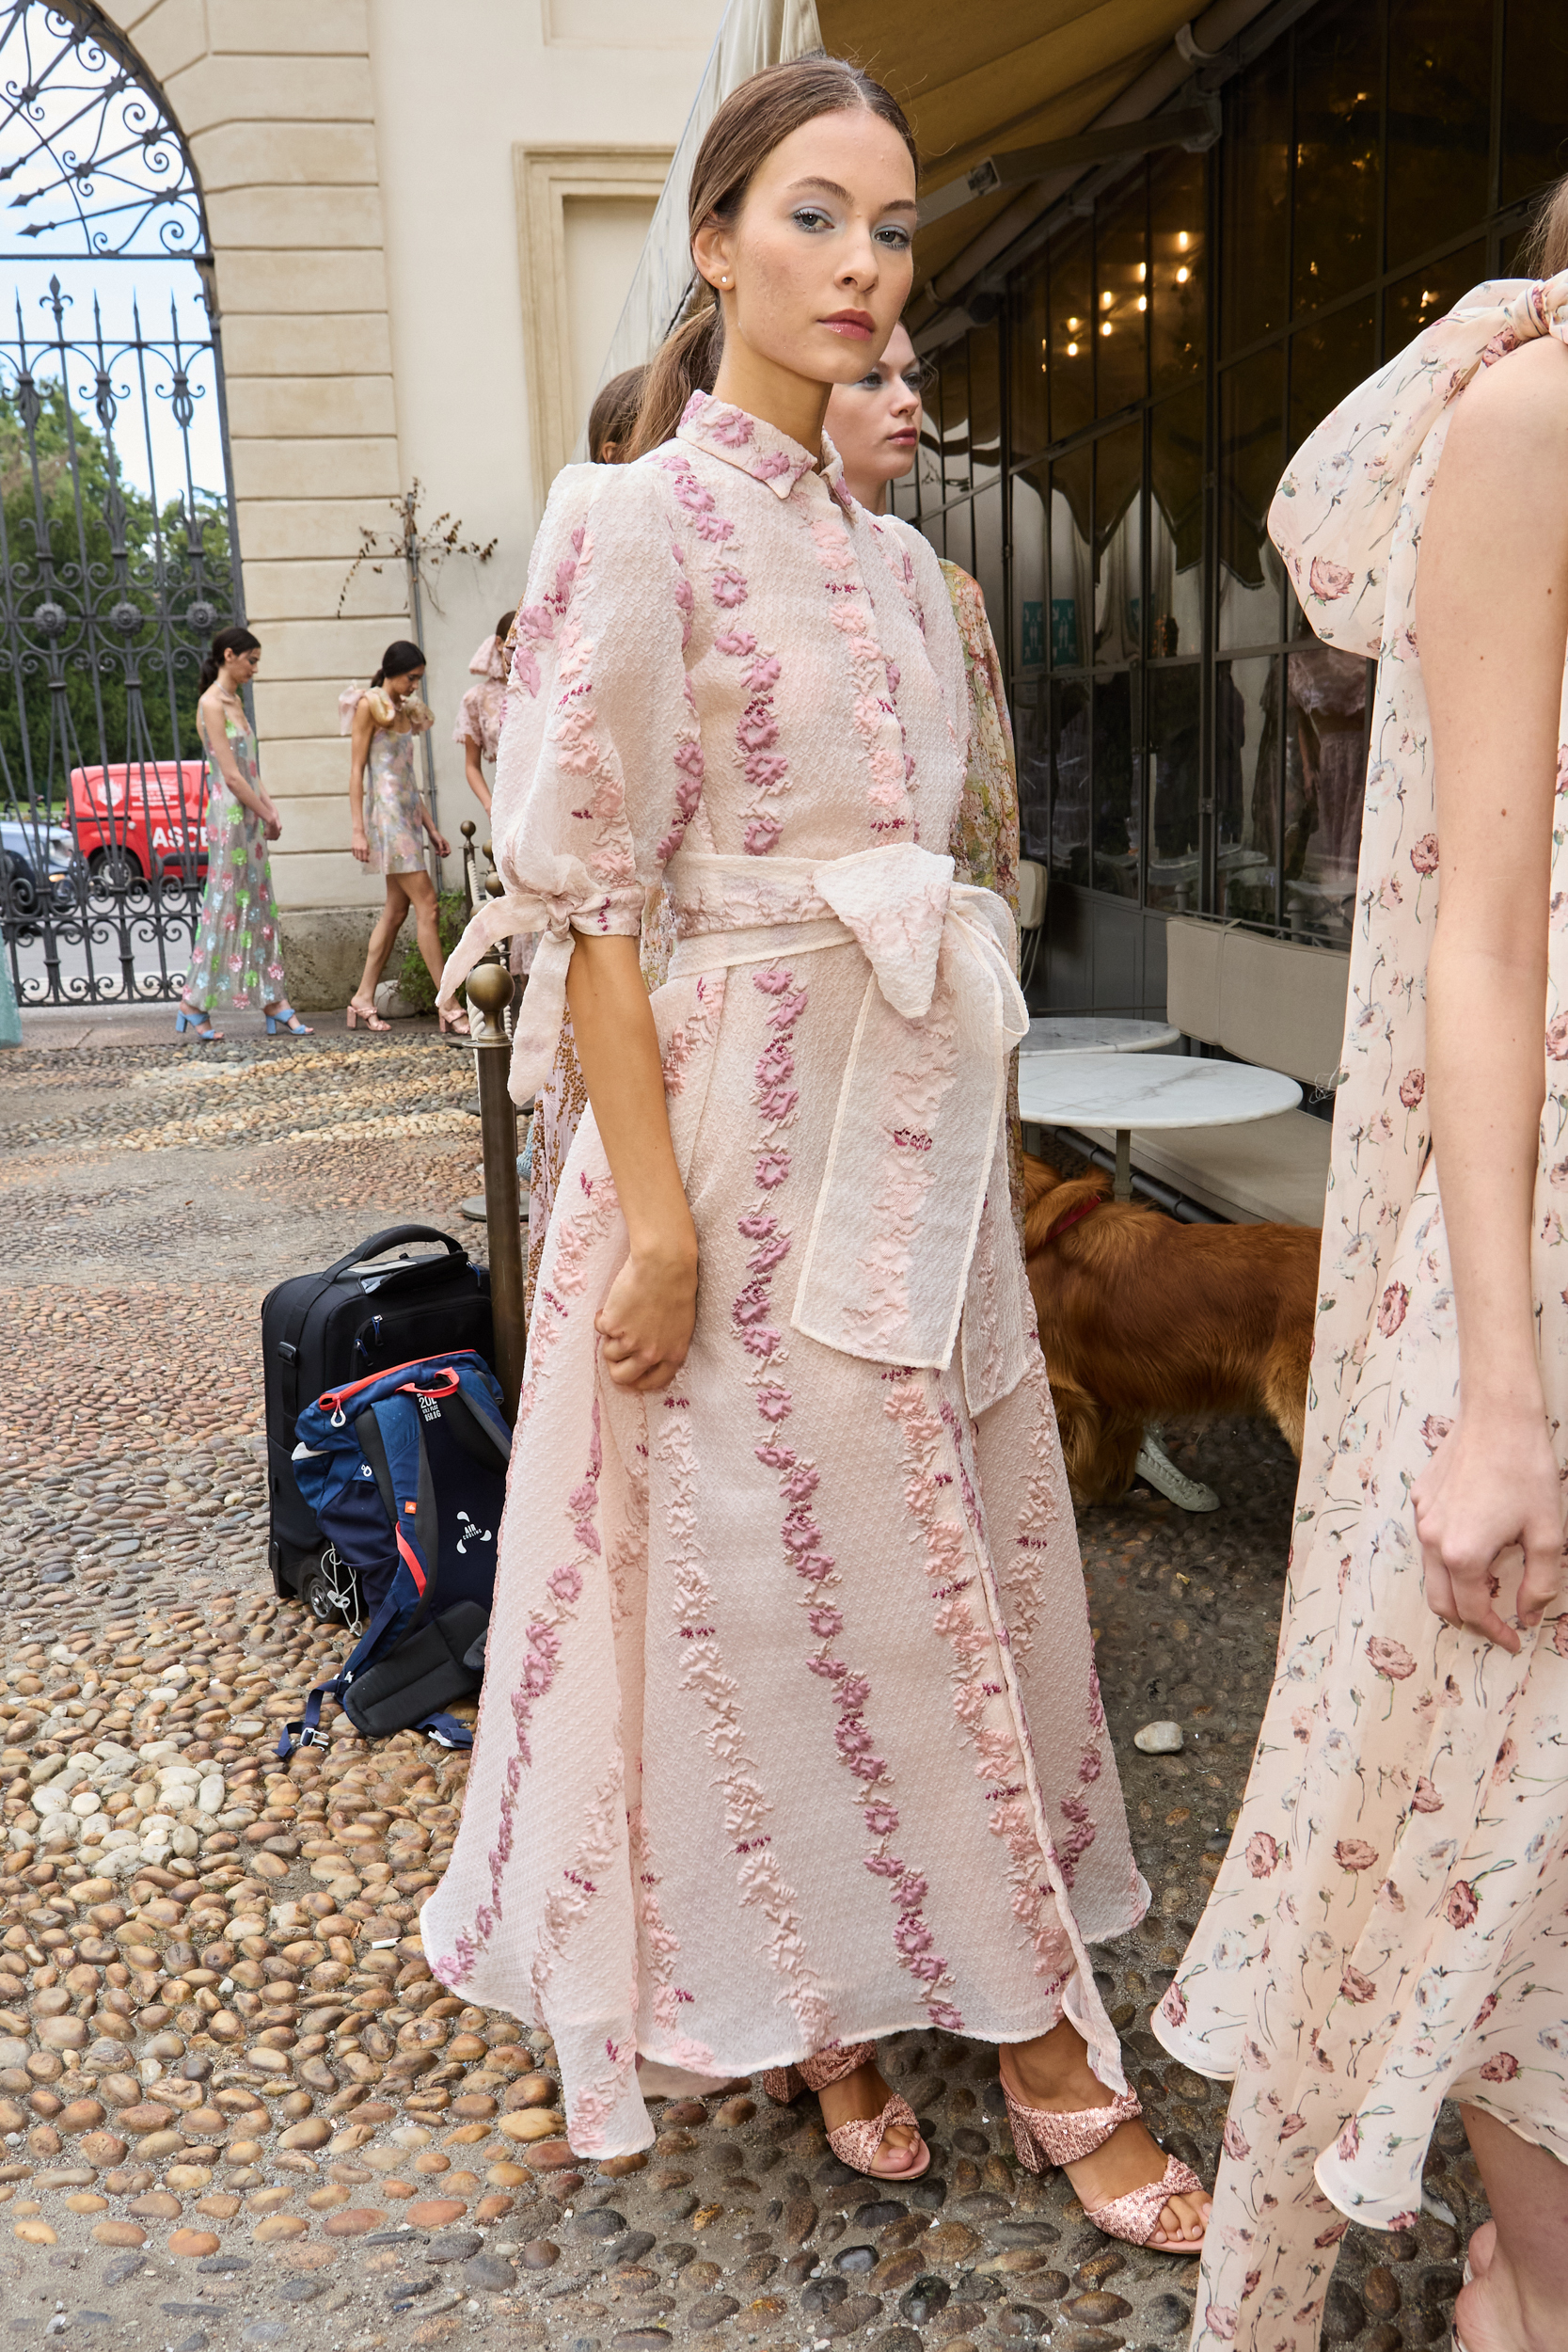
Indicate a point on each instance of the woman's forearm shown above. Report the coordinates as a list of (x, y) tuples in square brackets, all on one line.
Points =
[(1486, 1084), (618, 1050)]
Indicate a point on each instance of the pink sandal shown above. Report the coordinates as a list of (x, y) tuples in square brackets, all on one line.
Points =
[(1043, 2138), (854, 2144)]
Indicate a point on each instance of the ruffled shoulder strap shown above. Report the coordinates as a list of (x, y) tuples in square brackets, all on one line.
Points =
[(1340, 499), (348, 703)]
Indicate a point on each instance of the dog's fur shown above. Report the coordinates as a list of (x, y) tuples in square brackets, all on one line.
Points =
[(1140, 1317)]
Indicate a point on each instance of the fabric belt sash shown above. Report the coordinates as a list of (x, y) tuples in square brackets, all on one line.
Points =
[(917, 1128)]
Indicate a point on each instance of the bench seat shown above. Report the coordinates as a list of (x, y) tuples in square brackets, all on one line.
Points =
[(1269, 1171)]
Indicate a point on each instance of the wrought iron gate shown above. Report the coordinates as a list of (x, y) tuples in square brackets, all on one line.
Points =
[(116, 562)]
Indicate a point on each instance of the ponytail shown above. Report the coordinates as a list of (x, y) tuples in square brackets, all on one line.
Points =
[(399, 659), (227, 640), (686, 363)]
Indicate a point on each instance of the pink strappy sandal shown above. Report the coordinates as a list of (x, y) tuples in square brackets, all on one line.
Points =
[(854, 2144), (1043, 2138)]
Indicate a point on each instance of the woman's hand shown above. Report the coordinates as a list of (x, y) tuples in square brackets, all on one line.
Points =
[(272, 823), (646, 1322), (1489, 1516), (361, 845), (438, 841)]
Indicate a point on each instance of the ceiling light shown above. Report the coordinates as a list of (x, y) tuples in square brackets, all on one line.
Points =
[(1143, 302), (1143, 272), (1106, 301), (1072, 350), (1181, 275), (1073, 325), (1181, 239), (1105, 326)]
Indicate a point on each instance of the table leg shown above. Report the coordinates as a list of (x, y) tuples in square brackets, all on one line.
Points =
[(1123, 1188)]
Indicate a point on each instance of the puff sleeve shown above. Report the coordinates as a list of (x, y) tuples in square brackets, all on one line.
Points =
[(600, 768)]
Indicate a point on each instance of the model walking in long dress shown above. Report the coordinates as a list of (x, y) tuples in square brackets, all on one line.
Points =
[(790, 1737), (237, 954), (1389, 1930)]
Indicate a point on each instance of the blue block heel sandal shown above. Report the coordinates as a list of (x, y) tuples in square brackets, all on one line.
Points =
[(290, 1020), (199, 1024)]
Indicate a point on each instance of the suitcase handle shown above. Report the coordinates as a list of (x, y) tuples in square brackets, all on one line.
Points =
[(380, 1242)]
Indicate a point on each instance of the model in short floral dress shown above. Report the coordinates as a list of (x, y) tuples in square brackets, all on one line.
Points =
[(817, 1606), (237, 958), (1389, 1929)]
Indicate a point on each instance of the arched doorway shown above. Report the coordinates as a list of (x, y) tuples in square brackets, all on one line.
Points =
[(119, 555)]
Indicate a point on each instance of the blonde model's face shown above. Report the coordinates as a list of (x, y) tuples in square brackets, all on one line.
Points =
[(817, 265), (873, 422)]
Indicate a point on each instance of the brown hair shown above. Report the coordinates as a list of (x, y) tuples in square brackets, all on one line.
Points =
[(751, 123), (1545, 251), (613, 415)]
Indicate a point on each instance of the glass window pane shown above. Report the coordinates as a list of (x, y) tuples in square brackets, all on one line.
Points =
[(1175, 525), (1254, 160), (1030, 490), (985, 402), (1535, 96), (1327, 363), (1252, 458), (1325, 765), (960, 536), (1071, 617), (1031, 708), (1116, 832), (1071, 336), (1171, 787), (1119, 546), (1427, 294), (987, 566), (1031, 351), (1122, 297), (1439, 120), (1070, 794), (1246, 788), (1339, 68), (954, 370), (1178, 284)]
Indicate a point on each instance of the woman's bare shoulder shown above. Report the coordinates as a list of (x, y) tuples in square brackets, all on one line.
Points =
[(1516, 412)]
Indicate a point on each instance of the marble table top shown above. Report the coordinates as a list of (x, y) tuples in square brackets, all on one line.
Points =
[(1096, 1033), (1126, 1091)]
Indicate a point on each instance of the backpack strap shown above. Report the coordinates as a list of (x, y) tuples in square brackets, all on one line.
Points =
[(306, 1731), (446, 1731)]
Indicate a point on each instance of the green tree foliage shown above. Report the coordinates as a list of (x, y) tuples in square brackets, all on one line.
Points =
[(77, 536)]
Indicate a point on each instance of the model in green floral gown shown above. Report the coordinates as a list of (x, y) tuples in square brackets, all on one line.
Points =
[(237, 956)]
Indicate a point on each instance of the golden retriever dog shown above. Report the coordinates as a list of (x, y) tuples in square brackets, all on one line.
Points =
[(1141, 1317)]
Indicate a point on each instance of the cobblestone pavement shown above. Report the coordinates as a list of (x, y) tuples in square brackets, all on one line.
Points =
[(235, 2108)]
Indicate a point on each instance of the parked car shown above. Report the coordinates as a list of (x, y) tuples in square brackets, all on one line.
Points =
[(134, 819), (38, 864)]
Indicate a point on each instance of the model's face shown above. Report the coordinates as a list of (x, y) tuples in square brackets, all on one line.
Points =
[(240, 668), (819, 259), (401, 688), (873, 422)]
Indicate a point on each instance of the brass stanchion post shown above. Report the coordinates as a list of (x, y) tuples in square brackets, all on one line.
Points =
[(489, 993)]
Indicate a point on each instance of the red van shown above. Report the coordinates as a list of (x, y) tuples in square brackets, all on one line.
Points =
[(136, 818)]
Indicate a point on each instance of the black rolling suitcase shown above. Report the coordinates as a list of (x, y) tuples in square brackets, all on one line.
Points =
[(320, 1331)]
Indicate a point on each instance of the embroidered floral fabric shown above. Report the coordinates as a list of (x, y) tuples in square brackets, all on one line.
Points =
[(1387, 1930), (790, 1732), (983, 845), (483, 706), (236, 958)]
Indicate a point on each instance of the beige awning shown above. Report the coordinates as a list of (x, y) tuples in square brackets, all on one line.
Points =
[(982, 81)]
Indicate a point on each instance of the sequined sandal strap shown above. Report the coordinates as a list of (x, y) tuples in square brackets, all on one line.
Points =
[(857, 2144), (1136, 2216), (830, 2066), (1067, 2139)]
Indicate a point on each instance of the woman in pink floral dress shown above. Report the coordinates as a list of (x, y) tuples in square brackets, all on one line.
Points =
[(790, 1735), (1390, 1926)]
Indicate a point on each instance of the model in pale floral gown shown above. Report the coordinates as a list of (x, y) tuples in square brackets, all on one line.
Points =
[(1390, 1925), (790, 1735), (237, 954)]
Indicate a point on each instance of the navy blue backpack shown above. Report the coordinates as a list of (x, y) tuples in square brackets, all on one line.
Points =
[(405, 1472)]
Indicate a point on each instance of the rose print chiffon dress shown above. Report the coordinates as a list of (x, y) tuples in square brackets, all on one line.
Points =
[(1389, 1928), (236, 958), (790, 1734)]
